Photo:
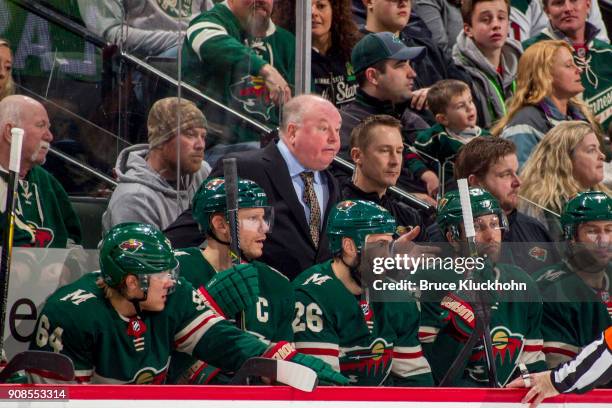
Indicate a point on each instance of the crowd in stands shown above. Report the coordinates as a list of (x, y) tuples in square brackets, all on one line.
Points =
[(515, 97)]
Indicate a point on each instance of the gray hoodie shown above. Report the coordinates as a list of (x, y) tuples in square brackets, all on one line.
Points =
[(142, 195), (490, 102)]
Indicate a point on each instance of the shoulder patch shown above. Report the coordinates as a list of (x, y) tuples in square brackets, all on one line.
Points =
[(551, 275), (317, 279)]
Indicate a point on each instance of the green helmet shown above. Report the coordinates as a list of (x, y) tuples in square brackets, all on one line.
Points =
[(588, 206), (135, 248), (210, 198), (449, 215), (357, 219)]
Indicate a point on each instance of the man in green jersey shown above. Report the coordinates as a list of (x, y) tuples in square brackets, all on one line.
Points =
[(267, 313), (576, 291), (121, 324), (372, 343)]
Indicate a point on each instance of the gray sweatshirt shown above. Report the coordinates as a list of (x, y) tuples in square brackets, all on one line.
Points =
[(489, 99), (142, 195)]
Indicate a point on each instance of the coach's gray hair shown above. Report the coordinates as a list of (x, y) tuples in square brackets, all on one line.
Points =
[(294, 110)]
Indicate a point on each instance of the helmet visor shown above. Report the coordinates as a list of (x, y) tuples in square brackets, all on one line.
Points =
[(257, 219), (170, 275)]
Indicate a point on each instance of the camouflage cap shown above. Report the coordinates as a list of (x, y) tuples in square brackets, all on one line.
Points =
[(165, 116)]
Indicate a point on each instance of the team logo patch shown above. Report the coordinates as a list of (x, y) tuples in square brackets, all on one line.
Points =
[(131, 245), (170, 7), (41, 237), (214, 184), (538, 253), (253, 96), (507, 348), (346, 205), (368, 365)]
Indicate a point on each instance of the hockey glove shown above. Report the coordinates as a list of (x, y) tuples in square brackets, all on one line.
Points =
[(285, 351), (233, 290)]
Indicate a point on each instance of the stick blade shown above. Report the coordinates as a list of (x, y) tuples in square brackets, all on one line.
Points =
[(60, 365), (284, 372)]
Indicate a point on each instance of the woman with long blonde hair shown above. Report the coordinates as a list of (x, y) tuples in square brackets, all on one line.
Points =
[(7, 87), (567, 161), (548, 83)]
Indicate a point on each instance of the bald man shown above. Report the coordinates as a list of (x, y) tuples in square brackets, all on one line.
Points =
[(45, 217), (294, 175)]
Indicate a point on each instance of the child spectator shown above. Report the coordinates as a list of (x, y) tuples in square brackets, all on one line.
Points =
[(489, 56), (451, 102)]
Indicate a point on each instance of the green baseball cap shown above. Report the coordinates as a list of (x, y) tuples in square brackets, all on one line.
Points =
[(376, 47)]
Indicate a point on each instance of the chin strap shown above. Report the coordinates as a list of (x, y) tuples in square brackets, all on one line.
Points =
[(354, 270), (212, 235), (583, 259)]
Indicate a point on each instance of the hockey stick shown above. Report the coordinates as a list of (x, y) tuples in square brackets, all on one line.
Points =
[(285, 372), (58, 364), (482, 318), (230, 174), (9, 224)]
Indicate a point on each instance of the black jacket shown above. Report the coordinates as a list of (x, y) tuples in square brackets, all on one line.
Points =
[(405, 216)]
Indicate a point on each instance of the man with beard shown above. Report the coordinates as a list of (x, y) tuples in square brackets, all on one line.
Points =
[(577, 290), (147, 190), (45, 217), (268, 314), (371, 343), (448, 318), (238, 56), (491, 163)]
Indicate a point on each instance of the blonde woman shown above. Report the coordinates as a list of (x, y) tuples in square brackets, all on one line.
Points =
[(567, 161), (7, 86), (548, 83)]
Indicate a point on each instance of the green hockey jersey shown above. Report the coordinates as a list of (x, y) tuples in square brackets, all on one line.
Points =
[(371, 344), (224, 62), (106, 347), (515, 330), (574, 313), (269, 319), (45, 218), (440, 143), (596, 65)]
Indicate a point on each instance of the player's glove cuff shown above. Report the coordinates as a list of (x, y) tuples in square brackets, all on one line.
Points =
[(283, 350), (460, 315)]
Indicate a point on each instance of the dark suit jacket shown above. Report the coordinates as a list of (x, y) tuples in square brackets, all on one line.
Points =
[(288, 247)]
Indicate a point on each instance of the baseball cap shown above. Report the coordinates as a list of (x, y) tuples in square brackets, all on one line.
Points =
[(376, 47)]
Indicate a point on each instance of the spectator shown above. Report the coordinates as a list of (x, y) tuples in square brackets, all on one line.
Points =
[(238, 56), (567, 161), (491, 163), (270, 313), (148, 189), (142, 27), (548, 85), (309, 141), (489, 56), (377, 150), (515, 315), (394, 16), (7, 87), (527, 19), (334, 34), (593, 56), (385, 76), (576, 291), (120, 324), (352, 334), (443, 18), (45, 218), (451, 102)]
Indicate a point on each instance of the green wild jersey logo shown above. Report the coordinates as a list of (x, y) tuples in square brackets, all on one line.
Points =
[(176, 8), (507, 348), (368, 365), (252, 95)]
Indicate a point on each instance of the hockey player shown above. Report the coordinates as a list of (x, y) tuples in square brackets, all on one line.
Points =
[(269, 315), (576, 291), (515, 316), (120, 325), (371, 343)]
